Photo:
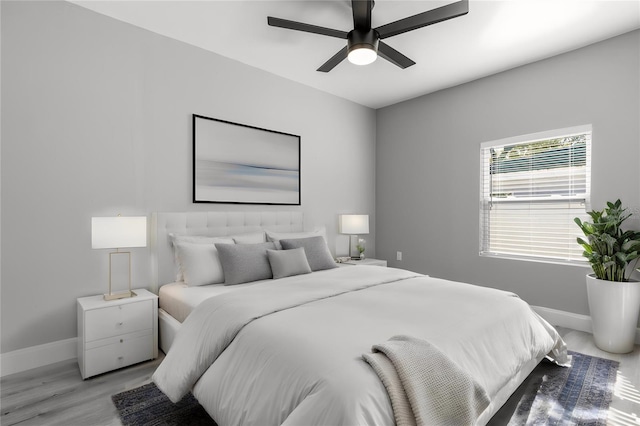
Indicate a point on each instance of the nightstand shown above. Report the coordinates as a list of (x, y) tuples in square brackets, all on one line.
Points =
[(367, 261), (116, 333)]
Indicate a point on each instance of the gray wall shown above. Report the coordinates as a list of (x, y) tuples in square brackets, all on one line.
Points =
[(96, 121), (432, 216)]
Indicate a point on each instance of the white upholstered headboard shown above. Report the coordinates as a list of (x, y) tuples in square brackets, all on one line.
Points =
[(211, 224)]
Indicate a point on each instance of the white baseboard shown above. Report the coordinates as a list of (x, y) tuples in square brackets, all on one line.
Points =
[(38, 356), (570, 320)]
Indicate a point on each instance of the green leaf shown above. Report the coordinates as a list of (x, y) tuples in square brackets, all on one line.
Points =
[(609, 249)]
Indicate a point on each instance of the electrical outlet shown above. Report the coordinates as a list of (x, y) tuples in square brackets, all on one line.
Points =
[(398, 255)]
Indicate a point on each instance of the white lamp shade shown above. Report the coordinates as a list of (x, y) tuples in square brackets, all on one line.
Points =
[(118, 232), (354, 224)]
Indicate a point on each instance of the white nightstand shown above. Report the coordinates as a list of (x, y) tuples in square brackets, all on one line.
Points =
[(116, 333), (367, 261)]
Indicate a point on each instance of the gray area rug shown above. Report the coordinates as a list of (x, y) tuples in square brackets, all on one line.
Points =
[(551, 395), (148, 406)]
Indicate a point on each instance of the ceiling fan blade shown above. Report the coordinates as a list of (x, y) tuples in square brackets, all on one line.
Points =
[(299, 26), (420, 20), (393, 56), (335, 60), (362, 14)]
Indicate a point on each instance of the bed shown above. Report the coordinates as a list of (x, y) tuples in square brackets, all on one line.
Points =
[(294, 350)]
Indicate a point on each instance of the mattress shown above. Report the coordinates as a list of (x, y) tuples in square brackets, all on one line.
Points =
[(179, 300)]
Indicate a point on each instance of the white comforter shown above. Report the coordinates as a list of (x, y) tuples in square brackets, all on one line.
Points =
[(290, 351)]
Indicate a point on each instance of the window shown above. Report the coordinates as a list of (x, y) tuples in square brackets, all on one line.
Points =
[(532, 187)]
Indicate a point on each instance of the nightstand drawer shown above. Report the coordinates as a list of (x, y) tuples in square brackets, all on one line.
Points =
[(117, 320), (126, 351)]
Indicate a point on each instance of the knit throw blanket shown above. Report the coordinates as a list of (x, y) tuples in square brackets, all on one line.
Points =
[(426, 387)]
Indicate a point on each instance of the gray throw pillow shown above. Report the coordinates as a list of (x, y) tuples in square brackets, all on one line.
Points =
[(286, 263), (318, 254), (242, 263)]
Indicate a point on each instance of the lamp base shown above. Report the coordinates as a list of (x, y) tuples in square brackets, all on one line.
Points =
[(116, 296)]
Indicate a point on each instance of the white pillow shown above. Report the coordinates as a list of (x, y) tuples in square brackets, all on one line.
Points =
[(275, 237), (199, 263), (286, 263), (250, 238), (195, 239)]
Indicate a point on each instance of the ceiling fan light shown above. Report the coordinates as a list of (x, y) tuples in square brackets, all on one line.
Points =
[(362, 46), (362, 55)]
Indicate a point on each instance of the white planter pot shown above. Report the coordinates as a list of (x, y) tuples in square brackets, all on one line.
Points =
[(614, 308)]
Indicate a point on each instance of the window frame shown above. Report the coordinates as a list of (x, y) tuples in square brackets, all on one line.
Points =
[(485, 199)]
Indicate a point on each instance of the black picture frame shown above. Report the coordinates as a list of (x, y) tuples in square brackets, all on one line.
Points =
[(236, 163)]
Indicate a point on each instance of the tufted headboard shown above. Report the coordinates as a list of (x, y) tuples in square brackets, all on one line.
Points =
[(211, 224)]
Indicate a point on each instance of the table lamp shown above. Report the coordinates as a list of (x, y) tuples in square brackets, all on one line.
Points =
[(118, 233), (354, 225)]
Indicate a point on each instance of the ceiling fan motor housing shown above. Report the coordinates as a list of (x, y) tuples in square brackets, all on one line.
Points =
[(359, 39)]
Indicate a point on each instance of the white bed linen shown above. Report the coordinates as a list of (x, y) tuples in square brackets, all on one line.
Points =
[(300, 361), (178, 299)]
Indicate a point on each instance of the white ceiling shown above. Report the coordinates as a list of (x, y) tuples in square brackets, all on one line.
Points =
[(494, 36)]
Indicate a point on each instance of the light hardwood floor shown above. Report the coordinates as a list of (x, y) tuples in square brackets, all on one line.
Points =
[(56, 394)]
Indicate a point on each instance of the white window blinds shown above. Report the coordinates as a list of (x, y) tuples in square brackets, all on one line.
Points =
[(532, 187)]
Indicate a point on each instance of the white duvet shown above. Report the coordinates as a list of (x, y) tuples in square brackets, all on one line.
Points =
[(289, 351)]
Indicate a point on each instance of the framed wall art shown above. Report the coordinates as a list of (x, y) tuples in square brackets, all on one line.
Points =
[(241, 164)]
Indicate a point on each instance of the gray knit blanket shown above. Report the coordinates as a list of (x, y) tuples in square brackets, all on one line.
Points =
[(424, 385)]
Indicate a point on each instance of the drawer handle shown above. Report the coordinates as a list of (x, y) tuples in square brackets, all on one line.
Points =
[(121, 342), (120, 358), (120, 323)]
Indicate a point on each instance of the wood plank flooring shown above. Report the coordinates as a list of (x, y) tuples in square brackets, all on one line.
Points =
[(57, 395)]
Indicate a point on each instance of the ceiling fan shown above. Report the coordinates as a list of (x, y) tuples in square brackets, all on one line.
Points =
[(364, 43)]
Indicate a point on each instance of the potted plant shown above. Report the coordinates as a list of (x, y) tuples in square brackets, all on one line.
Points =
[(614, 298), (361, 247)]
